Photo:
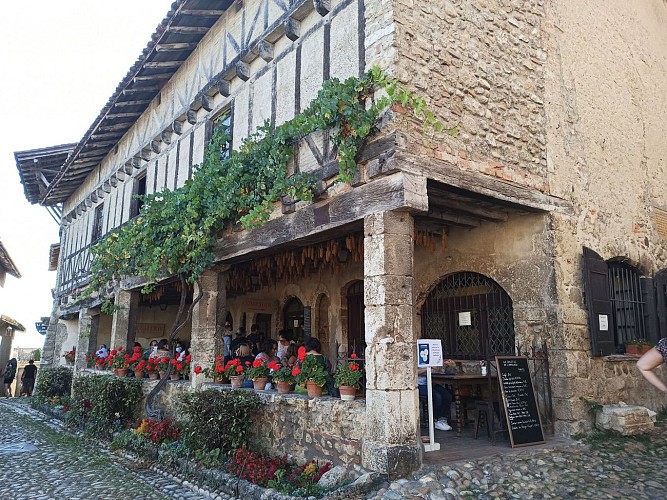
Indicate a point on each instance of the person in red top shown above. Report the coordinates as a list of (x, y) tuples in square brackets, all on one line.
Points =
[(28, 378)]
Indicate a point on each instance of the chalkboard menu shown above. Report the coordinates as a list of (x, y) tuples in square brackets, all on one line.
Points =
[(523, 416)]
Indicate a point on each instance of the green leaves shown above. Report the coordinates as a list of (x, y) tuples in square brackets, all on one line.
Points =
[(176, 231)]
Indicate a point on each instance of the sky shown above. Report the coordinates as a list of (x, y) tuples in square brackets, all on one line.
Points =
[(62, 60)]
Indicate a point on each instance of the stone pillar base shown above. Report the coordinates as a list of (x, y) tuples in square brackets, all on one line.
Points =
[(394, 460)]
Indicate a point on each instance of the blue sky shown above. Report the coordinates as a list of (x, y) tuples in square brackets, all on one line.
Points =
[(61, 63)]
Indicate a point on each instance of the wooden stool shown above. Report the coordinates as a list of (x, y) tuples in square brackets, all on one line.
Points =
[(482, 409)]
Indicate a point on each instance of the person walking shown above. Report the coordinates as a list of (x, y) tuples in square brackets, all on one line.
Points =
[(650, 361), (28, 378), (9, 374)]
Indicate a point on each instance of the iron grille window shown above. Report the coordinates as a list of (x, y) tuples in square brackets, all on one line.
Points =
[(471, 314), (627, 302)]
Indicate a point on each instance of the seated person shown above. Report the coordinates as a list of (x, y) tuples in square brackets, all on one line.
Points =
[(442, 401), (268, 352), (290, 357)]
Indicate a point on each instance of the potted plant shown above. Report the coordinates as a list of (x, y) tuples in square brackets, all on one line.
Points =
[(117, 360), (151, 368), (282, 377), (133, 362), (163, 365), (312, 373), (637, 347), (90, 359), (69, 357), (347, 376), (258, 372), (234, 371)]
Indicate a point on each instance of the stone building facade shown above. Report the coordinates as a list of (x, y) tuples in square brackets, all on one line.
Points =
[(552, 114)]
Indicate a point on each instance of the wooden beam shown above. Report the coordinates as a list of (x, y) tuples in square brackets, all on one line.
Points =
[(223, 87), (449, 201), (386, 193), (172, 47), (156, 147), (114, 116), (110, 135), (202, 12), (243, 70), (153, 78), (163, 64), (145, 154), (292, 29), (141, 90), (188, 30), (177, 125), (124, 104), (454, 219), (191, 116), (265, 50), (165, 136), (323, 7), (207, 102)]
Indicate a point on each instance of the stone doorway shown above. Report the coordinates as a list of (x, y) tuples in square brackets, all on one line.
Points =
[(293, 322)]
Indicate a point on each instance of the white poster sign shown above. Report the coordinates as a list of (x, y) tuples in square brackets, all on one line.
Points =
[(429, 353), (604, 322), (465, 319)]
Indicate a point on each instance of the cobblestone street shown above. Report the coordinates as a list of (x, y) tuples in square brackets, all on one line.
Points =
[(40, 461)]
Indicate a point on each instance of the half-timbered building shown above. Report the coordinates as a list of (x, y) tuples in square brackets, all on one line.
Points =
[(475, 235)]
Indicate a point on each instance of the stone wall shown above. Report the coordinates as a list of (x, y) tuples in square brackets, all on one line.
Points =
[(307, 429), (481, 67)]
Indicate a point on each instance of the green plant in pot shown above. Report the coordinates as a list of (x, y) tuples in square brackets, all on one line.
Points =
[(282, 377), (347, 377), (312, 373), (637, 346)]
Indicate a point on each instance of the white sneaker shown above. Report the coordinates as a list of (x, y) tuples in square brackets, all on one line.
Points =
[(442, 426)]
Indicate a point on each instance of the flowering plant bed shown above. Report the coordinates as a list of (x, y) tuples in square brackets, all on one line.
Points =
[(165, 431), (116, 358), (348, 373), (277, 472), (132, 362), (234, 368)]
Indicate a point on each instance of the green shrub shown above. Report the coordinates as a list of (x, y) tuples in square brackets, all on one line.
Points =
[(217, 421), (53, 382), (129, 440), (102, 405)]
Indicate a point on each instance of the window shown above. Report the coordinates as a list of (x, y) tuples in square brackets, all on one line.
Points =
[(139, 190), (222, 123), (621, 303), (98, 220)]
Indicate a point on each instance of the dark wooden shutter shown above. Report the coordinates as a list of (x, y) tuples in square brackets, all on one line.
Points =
[(596, 288), (650, 313), (660, 282)]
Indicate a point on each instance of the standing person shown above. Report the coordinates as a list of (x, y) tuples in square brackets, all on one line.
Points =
[(9, 375), (28, 378), (254, 339), (240, 340), (442, 401), (227, 342), (650, 361)]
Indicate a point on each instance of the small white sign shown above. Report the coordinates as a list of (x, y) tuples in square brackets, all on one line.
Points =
[(429, 353), (603, 319), (296, 323), (465, 319)]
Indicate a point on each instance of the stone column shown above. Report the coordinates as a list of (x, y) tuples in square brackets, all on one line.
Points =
[(83, 341), (48, 350), (124, 323), (392, 423), (206, 322)]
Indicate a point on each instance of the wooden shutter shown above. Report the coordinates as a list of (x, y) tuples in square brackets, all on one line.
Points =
[(650, 316), (660, 282), (596, 289)]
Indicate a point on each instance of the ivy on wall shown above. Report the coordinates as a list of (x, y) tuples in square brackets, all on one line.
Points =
[(176, 230)]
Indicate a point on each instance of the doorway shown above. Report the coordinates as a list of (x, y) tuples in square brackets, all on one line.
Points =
[(356, 323), (263, 322), (293, 323)]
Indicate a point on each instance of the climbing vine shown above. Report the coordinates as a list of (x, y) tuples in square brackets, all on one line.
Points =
[(176, 230)]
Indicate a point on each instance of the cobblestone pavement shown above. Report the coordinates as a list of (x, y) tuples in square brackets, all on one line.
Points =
[(633, 468), (39, 461)]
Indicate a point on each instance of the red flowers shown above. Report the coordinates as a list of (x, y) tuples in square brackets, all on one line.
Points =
[(239, 369), (354, 367), (301, 353), (198, 369), (295, 371), (353, 356), (257, 363), (273, 366)]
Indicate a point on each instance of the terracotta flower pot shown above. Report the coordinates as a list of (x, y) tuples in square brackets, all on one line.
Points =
[(347, 392), (175, 376), (163, 374), (138, 374), (260, 383), (236, 380), (314, 390), (284, 387), (637, 350), (121, 372), (152, 376)]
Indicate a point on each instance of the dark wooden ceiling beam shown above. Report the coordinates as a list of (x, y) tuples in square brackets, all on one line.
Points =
[(468, 206), (141, 90), (115, 116), (124, 104), (163, 64), (156, 77), (172, 47), (454, 219), (202, 12), (188, 30)]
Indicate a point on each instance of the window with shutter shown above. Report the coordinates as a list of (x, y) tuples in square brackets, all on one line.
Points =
[(596, 288)]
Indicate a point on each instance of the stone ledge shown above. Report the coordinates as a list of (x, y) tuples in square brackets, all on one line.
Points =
[(629, 420), (619, 358)]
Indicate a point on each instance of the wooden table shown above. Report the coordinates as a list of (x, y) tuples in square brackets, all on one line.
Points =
[(464, 385)]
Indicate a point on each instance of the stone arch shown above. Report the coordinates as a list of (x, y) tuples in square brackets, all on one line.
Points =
[(471, 313)]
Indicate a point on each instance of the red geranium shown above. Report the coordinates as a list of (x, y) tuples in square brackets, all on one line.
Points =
[(198, 369), (301, 353), (295, 371)]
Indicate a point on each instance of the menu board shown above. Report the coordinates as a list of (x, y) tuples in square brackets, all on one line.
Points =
[(523, 416)]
